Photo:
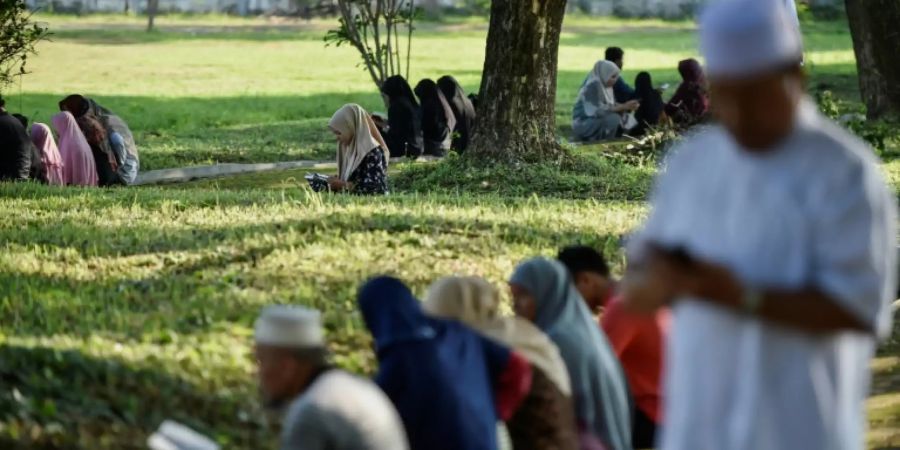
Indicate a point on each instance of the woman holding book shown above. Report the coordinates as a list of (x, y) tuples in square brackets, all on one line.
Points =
[(362, 155)]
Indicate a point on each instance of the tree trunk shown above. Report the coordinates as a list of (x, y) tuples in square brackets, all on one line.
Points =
[(517, 102), (432, 8), (876, 38), (152, 6)]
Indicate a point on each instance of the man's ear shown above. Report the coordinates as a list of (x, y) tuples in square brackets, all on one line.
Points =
[(581, 278)]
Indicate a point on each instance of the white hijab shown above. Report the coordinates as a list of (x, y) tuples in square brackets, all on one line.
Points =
[(599, 76), (353, 120), (475, 302)]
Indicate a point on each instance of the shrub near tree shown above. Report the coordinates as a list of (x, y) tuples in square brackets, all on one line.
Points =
[(18, 37), (377, 29)]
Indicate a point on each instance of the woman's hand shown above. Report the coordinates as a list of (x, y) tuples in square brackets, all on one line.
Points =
[(632, 105), (337, 185)]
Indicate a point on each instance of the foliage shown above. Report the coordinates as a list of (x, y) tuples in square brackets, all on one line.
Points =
[(373, 28), (882, 135), (18, 37)]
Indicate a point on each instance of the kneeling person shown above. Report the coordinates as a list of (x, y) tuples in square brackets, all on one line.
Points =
[(327, 408)]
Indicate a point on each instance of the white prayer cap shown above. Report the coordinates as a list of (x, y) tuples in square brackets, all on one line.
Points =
[(290, 327), (745, 38)]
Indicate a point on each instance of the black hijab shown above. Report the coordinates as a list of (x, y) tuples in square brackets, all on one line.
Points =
[(651, 103), (462, 108), (397, 89), (435, 127), (404, 135)]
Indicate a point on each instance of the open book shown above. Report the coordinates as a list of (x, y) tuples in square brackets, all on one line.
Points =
[(317, 181), (172, 435)]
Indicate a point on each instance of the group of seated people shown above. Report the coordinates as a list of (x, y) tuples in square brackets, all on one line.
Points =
[(93, 146), (442, 119), (607, 107), (455, 373)]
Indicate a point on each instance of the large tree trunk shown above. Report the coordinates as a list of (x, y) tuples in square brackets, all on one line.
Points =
[(876, 39), (516, 110)]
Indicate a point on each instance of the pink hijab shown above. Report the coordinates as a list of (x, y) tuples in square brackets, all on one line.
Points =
[(42, 138), (79, 167)]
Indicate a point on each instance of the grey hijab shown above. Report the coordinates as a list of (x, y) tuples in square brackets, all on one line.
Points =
[(598, 383)]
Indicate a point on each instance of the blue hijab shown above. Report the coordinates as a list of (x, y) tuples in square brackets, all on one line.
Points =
[(439, 374), (598, 383)]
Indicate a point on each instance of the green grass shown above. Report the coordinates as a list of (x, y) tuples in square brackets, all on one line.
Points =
[(123, 307), (157, 289), (237, 90)]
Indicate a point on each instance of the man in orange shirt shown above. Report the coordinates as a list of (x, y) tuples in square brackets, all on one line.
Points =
[(638, 340)]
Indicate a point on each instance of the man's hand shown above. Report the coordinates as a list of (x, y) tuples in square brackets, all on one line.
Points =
[(652, 285), (665, 276)]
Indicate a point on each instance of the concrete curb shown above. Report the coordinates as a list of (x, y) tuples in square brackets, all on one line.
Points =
[(185, 174)]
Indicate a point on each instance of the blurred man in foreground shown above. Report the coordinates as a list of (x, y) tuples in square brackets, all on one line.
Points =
[(327, 408), (772, 236)]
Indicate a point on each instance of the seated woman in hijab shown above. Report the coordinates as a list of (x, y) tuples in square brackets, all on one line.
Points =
[(42, 138), (438, 120), (449, 384), (79, 167), (362, 155), (403, 132), (463, 110), (546, 419), (120, 140), (650, 112), (596, 115), (543, 293), (690, 103), (104, 158)]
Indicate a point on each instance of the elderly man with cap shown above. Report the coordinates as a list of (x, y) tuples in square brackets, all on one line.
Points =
[(772, 236), (327, 408)]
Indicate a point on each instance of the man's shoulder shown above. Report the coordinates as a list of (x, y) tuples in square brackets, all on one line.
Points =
[(700, 145), (830, 144), (339, 382)]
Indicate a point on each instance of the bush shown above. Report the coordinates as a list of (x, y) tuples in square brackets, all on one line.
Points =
[(879, 134), (18, 36)]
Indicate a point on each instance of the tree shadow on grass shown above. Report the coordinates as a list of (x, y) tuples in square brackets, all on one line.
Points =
[(144, 234), (196, 280), (56, 399)]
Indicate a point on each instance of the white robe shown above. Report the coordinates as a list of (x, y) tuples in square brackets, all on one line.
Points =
[(814, 212)]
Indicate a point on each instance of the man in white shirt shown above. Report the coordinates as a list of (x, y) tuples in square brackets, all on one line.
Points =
[(327, 408), (772, 236)]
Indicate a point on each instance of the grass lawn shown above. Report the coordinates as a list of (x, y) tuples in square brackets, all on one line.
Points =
[(123, 307)]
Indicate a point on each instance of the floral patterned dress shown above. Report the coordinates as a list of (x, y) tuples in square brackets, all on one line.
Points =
[(370, 178)]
